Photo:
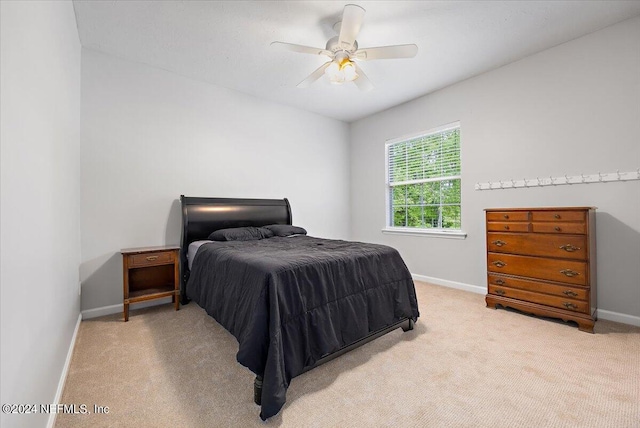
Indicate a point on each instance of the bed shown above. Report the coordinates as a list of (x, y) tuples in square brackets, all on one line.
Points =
[(292, 302)]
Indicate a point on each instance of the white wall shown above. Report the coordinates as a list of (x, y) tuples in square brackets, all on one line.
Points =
[(571, 109), (40, 210), (149, 136)]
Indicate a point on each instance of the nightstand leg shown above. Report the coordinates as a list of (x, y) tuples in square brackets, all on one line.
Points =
[(126, 312), (176, 301)]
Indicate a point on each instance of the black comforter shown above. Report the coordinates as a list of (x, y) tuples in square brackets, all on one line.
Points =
[(291, 301)]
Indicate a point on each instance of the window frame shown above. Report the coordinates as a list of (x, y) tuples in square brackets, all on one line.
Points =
[(435, 232)]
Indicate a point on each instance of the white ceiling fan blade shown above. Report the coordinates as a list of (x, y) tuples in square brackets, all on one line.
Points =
[(314, 76), (301, 49), (386, 52), (352, 17), (362, 81)]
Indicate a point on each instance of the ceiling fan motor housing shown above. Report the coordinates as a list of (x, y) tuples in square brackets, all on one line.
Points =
[(334, 46)]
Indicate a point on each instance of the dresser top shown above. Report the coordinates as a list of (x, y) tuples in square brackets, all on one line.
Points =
[(543, 209)]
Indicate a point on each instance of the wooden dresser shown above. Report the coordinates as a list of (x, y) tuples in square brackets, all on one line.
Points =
[(543, 261)]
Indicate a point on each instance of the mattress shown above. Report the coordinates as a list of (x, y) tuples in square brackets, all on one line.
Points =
[(193, 249)]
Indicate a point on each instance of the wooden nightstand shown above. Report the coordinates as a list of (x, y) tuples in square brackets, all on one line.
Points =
[(150, 273)]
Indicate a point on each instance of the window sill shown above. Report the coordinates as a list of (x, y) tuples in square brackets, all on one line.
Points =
[(458, 234)]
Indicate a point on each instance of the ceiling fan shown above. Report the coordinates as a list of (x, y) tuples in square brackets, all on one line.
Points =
[(343, 51)]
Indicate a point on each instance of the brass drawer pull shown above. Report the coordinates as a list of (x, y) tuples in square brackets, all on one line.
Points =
[(557, 228), (569, 293), (570, 273), (569, 305), (557, 216), (500, 282), (506, 228), (152, 258), (499, 243), (499, 263), (569, 248), (506, 216), (500, 292)]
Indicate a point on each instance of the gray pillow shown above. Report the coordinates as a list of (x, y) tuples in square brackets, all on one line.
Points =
[(285, 229), (248, 233)]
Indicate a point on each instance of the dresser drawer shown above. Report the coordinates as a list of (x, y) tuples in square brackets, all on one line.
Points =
[(558, 216), (575, 228), (151, 259), (576, 293), (508, 216), (544, 299), (547, 245), (507, 227), (568, 271)]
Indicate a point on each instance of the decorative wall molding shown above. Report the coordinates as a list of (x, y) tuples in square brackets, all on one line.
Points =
[(559, 180)]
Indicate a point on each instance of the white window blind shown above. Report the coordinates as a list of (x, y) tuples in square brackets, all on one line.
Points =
[(423, 181)]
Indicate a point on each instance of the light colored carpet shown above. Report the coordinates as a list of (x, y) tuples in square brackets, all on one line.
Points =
[(464, 365)]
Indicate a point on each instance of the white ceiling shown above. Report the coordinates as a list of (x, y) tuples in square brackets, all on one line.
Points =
[(227, 42)]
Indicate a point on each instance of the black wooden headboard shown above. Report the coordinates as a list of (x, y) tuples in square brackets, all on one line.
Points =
[(201, 216)]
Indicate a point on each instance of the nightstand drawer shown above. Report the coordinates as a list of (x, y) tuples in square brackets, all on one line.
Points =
[(151, 259)]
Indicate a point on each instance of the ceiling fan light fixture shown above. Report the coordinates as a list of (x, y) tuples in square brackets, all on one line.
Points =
[(333, 69), (335, 73), (340, 71), (349, 71)]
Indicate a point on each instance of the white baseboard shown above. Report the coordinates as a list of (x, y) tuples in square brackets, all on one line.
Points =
[(602, 314), (451, 284), (618, 317), (63, 376), (114, 309), (104, 310)]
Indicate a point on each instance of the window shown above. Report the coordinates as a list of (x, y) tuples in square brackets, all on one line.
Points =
[(423, 181)]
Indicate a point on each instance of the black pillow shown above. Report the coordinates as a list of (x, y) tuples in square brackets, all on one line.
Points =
[(248, 233), (285, 230)]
